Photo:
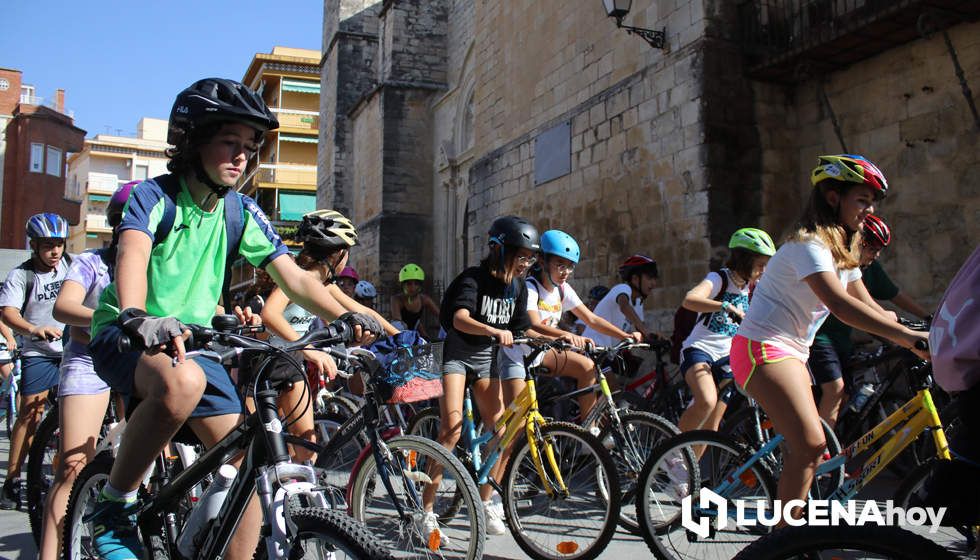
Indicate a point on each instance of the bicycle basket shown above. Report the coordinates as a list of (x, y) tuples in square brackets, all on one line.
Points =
[(410, 370)]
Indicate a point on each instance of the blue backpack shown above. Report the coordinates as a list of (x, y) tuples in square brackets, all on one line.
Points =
[(410, 372), (234, 224)]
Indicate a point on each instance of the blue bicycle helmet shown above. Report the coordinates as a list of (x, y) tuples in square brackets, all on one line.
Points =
[(559, 243), (47, 226)]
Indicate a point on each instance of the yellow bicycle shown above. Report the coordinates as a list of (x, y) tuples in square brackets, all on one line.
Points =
[(560, 487), (739, 473)]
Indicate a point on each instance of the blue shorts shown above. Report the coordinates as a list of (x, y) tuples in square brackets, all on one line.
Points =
[(720, 369), (118, 371), (38, 374), (824, 363), (509, 368)]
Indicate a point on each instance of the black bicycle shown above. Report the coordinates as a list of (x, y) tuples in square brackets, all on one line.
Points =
[(296, 520)]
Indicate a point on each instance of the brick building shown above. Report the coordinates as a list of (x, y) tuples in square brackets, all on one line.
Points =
[(39, 140), (440, 115)]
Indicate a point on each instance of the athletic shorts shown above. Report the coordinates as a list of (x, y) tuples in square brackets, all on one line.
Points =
[(38, 374), (476, 362), (747, 355), (118, 370), (78, 375), (509, 368), (692, 356), (824, 363)]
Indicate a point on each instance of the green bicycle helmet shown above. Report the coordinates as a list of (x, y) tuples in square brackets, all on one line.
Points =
[(754, 240), (411, 271)]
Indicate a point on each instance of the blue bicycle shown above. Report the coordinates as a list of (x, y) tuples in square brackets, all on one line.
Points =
[(8, 388)]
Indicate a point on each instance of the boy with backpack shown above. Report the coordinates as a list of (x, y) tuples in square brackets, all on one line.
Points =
[(622, 305), (178, 233), (27, 299)]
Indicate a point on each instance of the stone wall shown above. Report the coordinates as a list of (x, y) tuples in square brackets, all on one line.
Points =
[(905, 111), (638, 180)]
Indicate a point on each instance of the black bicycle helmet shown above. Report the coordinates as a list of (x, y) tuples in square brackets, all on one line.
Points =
[(598, 292), (217, 100), (513, 231)]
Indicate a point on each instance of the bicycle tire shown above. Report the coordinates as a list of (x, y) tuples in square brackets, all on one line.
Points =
[(740, 426), (581, 458), (40, 469), (338, 405), (425, 424), (643, 431), (465, 533), (890, 542), (342, 536), (88, 484), (719, 457), (333, 469)]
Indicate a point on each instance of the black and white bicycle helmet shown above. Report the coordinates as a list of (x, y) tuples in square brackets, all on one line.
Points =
[(327, 229), (214, 100)]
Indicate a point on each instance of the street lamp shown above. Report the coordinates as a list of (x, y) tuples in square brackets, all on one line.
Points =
[(619, 9)]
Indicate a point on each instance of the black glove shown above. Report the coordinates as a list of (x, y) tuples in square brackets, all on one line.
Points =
[(365, 321), (147, 330)]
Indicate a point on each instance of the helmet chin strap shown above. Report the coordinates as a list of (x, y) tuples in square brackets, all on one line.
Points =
[(218, 189)]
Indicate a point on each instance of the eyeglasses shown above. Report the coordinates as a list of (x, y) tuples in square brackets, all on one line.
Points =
[(562, 267), (527, 260)]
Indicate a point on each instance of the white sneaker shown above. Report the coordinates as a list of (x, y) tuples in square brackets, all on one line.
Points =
[(679, 477), (495, 516), (428, 524)]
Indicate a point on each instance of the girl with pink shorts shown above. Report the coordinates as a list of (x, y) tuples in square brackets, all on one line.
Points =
[(813, 274)]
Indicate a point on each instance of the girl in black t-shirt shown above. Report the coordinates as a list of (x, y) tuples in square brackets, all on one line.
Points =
[(483, 303)]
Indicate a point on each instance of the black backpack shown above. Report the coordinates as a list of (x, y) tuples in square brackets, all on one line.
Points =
[(28, 266)]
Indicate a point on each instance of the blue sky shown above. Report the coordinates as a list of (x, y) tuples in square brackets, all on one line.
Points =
[(121, 60)]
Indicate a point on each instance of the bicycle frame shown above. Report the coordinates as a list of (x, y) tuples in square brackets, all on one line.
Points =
[(522, 413), (918, 415), (265, 468)]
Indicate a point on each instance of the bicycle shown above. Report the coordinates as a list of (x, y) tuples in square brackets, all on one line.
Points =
[(629, 434), (658, 391), (295, 515), (9, 386), (378, 475), (561, 486), (738, 472)]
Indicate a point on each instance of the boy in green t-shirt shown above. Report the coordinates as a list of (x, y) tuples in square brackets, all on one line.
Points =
[(832, 345), (216, 125)]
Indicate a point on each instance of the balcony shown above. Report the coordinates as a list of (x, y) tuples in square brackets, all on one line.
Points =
[(787, 40), (286, 174), (97, 223), (298, 120), (103, 183)]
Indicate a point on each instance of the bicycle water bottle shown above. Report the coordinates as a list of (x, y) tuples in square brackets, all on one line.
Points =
[(862, 396), (206, 510)]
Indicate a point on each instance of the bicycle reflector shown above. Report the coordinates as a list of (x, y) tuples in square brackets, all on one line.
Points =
[(749, 479), (435, 540), (567, 547)]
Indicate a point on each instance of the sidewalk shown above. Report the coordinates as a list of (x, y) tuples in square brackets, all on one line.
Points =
[(16, 541)]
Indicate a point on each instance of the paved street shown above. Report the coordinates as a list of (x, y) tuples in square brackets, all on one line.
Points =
[(16, 542)]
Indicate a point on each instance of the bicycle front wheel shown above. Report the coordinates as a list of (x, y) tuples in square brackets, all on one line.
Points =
[(326, 534), (41, 464), (577, 523), (867, 541), (668, 478), (77, 535), (455, 527), (640, 433)]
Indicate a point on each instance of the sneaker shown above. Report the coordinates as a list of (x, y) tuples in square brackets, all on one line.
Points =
[(427, 524), (679, 477), (114, 534), (10, 494), (495, 516)]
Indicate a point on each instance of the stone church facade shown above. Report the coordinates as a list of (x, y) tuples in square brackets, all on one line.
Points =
[(439, 115)]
